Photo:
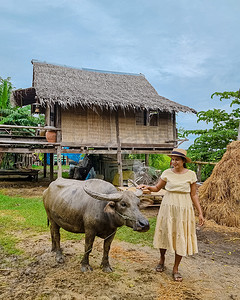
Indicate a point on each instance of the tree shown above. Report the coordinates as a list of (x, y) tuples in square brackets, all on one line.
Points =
[(235, 96), (210, 145), (5, 91), (14, 116)]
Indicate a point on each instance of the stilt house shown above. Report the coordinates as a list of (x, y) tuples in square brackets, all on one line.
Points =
[(103, 112)]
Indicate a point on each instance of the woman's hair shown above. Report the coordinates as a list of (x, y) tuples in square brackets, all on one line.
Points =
[(184, 162)]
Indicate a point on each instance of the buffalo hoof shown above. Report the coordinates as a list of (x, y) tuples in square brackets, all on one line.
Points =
[(59, 258), (86, 268), (107, 269)]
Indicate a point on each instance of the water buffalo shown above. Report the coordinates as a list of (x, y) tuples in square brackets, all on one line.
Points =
[(78, 206)]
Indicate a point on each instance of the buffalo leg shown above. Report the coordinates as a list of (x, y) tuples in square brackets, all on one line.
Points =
[(89, 239), (105, 265), (55, 234)]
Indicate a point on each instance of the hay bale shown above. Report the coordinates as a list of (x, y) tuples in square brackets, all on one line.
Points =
[(220, 193)]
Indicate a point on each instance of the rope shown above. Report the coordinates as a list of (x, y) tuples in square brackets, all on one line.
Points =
[(101, 241), (126, 217)]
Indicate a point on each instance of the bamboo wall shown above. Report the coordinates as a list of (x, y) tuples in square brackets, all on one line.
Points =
[(98, 128)]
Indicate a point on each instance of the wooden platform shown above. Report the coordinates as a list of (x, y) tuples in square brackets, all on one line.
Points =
[(29, 173)]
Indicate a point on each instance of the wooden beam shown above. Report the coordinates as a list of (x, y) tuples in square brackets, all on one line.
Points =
[(204, 163), (45, 150), (166, 145), (27, 127), (134, 145), (9, 149), (16, 150), (20, 142)]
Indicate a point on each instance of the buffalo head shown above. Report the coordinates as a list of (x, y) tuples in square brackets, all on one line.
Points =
[(124, 206)]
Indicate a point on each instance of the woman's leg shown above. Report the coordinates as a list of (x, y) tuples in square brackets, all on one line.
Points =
[(160, 267), (162, 256), (176, 274)]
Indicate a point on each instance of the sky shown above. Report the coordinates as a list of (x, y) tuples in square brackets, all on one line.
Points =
[(187, 49)]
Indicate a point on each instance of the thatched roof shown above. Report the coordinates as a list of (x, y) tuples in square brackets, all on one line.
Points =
[(72, 87)]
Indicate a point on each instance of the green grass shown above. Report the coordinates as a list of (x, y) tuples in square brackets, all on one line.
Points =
[(19, 214), (55, 167), (65, 170), (24, 212)]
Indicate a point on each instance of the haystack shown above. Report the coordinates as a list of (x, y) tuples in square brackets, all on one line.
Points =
[(220, 193)]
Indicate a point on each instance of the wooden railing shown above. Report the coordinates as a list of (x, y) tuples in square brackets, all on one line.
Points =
[(24, 134), (24, 130), (199, 167)]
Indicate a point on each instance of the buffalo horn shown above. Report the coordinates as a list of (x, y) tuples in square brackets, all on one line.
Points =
[(106, 197), (138, 193)]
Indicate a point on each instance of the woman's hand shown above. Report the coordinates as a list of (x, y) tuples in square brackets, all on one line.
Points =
[(143, 187), (201, 220)]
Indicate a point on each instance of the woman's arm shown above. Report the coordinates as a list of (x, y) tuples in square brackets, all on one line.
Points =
[(155, 188), (195, 201)]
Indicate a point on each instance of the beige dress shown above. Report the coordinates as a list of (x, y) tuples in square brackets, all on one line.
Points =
[(175, 228)]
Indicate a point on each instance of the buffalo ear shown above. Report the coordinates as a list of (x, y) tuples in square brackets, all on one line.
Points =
[(145, 202), (110, 207)]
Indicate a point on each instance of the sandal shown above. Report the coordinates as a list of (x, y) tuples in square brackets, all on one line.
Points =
[(160, 268), (177, 277)]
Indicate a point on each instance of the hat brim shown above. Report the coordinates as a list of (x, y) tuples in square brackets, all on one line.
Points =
[(188, 160)]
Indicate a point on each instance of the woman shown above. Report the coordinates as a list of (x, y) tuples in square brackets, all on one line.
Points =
[(175, 228)]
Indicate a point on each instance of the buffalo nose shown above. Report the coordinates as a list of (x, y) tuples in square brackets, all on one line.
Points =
[(144, 224)]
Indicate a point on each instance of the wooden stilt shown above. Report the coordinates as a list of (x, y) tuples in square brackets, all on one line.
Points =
[(59, 161), (51, 167), (146, 160), (45, 165)]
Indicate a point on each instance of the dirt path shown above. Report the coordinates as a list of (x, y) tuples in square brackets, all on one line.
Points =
[(212, 274)]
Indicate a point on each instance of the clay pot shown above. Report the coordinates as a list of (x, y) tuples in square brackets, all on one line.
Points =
[(51, 136)]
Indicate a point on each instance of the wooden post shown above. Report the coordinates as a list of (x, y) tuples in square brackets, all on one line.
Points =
[(175, 137), (199, 172), (119, 152), (45, 165), (59, 161), (51, 167), (146, 160), (58, 122)]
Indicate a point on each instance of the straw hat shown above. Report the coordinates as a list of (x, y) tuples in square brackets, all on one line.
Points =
[(181, 153)]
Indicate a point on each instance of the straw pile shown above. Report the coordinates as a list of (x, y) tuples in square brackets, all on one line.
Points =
[(220, 194)]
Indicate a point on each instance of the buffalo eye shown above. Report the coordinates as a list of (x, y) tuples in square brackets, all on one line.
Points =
[(123, 204)]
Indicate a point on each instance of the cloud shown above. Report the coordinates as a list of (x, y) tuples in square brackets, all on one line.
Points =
[(187, 57)]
